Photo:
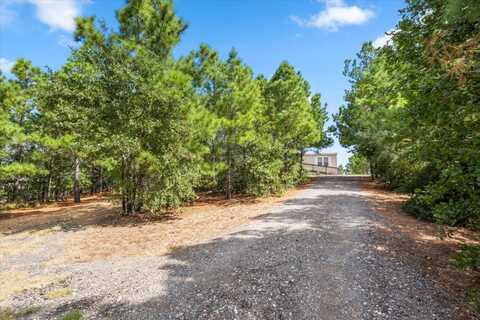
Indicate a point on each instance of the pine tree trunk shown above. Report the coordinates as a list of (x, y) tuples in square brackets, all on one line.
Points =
[(128, 186), (93, 181), (49, 184), (16, 187), (133, 201), (228, 187), (301, 161), (228, 194), (372, 173), (101, 180), (123, 185), (139, 188), (76, 181), (46, 188)]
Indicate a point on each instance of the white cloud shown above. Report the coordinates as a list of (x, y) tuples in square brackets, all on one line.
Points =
[(6, 65), (57, 14), (383, 40), (335, 15)]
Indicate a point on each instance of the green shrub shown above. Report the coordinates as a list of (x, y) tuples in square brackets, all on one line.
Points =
[(469, 257), (473, 299), (453, 200), (73, 315), (418, 206)]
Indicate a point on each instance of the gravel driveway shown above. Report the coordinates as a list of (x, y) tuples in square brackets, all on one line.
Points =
[(316, 256)]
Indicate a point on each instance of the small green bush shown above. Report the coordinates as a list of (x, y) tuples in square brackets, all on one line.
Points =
[(473, 299), (73, 315), (454, 200), (469, 257), (418, 207)]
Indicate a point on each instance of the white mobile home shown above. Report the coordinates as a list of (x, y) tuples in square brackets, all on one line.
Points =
[(320, 163)]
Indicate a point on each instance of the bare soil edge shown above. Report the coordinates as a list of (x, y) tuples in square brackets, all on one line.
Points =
[(430, 246)]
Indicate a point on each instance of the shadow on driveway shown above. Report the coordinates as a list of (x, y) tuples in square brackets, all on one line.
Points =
[(315, 257)]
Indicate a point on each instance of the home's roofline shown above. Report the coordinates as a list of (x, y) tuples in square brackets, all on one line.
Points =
[(321, 154)]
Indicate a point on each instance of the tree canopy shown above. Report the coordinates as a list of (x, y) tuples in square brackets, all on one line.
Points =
[(412, 110), (123, 115)]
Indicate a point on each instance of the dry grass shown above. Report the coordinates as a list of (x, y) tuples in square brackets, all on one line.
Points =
[(17, 281), (97, 231), (433, 245), (61, 215), (94, 230), (59, 293), (207, 218), (22, 242), (7, 314)]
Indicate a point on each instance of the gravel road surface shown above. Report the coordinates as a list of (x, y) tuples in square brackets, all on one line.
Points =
[(316, 256)]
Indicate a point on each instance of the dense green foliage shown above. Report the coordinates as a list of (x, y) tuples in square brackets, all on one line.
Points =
[(123, 115), (73, 315), (469, 257), (357, 165), (413, 110)]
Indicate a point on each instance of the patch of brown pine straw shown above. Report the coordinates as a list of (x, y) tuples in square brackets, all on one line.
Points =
[(434, 245), (96, 230)]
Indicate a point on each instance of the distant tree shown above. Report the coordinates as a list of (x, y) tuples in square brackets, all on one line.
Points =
[(295, 120), (123, 114), (20, 163), (144, 100), (357, 165), (412, 110)]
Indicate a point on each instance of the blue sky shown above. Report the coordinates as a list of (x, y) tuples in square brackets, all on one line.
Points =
[(315, 36)]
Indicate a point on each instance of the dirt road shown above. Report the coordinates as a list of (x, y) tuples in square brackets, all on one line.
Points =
[(318, 255)]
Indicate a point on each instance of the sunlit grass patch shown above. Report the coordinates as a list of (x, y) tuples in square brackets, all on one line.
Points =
[(16, 281), (7, 314), (59, 293)]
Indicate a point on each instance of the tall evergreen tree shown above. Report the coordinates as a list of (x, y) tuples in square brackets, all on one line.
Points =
[(413, 106), (295, 121), (122, 113)]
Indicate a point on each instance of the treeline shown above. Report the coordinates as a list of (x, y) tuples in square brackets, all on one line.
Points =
[(413, 110), (124, 115), (357, 165)]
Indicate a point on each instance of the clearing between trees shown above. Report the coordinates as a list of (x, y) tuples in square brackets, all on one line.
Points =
[(337, 248)]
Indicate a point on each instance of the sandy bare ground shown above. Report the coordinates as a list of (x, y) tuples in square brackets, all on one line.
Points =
[(32, 241), (327, 250), (431, 245)]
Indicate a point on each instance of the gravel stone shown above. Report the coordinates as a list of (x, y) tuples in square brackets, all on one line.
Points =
[(313, 257)]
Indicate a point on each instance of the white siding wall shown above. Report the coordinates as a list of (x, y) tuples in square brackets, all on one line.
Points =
[(310, 163)]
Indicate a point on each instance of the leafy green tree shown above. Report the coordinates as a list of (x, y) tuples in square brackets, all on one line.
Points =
[(143, 104), (357, 165), (295, 121), (20, 166), (233, 104), (412, 110), (123, 114), (72, 133)]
